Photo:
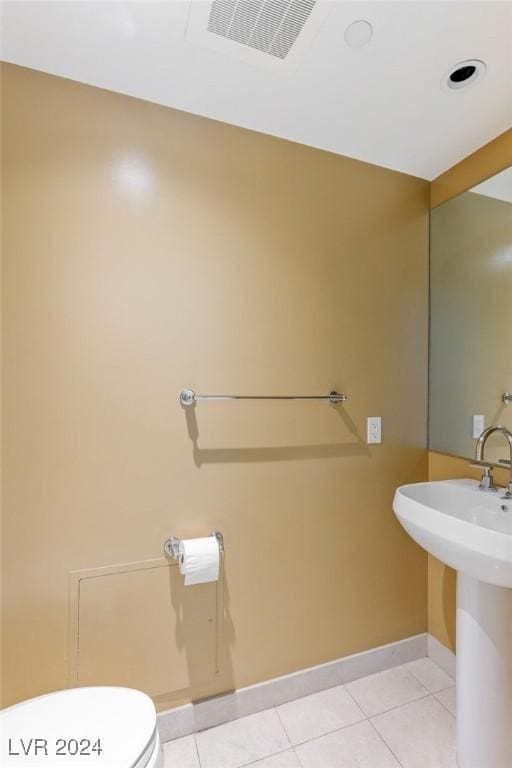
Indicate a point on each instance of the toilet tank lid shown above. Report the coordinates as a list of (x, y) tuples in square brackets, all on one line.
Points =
[(115, 725)]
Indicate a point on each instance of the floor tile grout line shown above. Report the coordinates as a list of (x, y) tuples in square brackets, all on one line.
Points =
[(411, 672), (298, 757), (403, 704), (271, 754), (414, 678), (401, 666), (283, 726), (397, 706), (356, 702), (265, 757), (329, 733), (197, 750), (443, 705), (442, 690), (381, 737)]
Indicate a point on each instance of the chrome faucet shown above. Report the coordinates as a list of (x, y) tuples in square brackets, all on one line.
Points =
[(487, 480)]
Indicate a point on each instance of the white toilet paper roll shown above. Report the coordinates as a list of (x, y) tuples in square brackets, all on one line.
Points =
[(199, 560)]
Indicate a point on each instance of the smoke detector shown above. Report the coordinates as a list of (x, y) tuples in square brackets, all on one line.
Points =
[(268, 33)]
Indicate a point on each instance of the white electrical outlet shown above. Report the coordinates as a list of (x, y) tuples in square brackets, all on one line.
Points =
[(374, 429), (478, 425)]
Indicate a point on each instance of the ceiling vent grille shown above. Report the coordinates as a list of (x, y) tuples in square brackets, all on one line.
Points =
[(268, 33), (269, 26)]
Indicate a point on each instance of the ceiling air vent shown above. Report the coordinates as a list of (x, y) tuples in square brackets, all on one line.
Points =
[(271, 27), (265, 32)]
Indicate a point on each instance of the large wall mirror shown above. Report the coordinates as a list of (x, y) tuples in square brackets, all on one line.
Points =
[(471, 318)]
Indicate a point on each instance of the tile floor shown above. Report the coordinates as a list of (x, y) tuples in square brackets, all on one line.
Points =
[(401, 718)]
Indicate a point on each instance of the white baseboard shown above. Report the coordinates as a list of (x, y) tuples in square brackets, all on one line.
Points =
[(246, 701), (443, 656)]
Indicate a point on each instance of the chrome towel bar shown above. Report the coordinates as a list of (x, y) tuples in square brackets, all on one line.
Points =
[(189, 397)]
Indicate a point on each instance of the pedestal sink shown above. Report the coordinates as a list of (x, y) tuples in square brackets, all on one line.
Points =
[(471, 531)]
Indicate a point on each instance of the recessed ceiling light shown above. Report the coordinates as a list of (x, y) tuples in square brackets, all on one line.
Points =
[(463, 74), (358, 33)]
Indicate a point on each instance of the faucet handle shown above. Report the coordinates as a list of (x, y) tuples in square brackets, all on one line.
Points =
[(477, 464), (487, 480)]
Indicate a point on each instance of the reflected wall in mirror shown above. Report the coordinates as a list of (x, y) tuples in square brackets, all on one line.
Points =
[(471, 317)]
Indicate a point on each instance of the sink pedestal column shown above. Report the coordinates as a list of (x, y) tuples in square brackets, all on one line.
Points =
[(484, 674)]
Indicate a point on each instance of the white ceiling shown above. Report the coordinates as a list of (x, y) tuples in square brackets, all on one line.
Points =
[(499, 186), (382, 103)]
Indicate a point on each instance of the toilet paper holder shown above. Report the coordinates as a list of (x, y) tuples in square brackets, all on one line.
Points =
[(172, 545)]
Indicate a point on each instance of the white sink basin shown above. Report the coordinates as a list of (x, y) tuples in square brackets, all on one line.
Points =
[(471, 530), (466, 528)]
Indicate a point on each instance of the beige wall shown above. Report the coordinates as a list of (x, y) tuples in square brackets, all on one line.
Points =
[(145, 250)]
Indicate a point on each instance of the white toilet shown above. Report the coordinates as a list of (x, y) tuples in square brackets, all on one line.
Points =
[(101, 726)]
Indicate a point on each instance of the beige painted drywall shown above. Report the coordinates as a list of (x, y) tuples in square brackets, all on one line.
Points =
[(145, 250), (470, 289)]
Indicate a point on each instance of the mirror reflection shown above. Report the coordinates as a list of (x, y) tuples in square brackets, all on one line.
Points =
[(471, 319)]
